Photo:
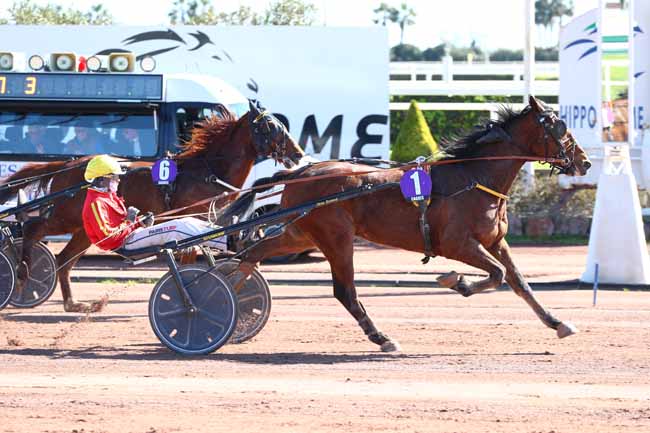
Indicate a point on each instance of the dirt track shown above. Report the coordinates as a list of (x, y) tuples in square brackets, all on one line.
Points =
[(483, 364)]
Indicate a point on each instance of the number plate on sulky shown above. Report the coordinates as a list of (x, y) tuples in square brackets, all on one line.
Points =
[(416, 185), (164, 172)]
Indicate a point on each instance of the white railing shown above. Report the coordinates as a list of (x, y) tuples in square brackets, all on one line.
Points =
[(441, 79)]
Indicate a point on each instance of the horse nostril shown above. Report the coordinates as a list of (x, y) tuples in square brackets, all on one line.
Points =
[(586, 165)]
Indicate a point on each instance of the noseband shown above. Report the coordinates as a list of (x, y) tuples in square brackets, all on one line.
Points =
[(556, 128), (265, 128)]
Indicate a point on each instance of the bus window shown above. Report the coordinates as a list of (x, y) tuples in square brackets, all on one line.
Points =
[(76, 134), (188, 117)]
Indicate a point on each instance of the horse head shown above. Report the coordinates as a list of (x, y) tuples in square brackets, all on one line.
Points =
[(271, 137), (553, 141)]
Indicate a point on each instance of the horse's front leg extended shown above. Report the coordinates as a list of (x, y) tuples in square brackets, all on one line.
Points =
[(474, 254), (516, 281)]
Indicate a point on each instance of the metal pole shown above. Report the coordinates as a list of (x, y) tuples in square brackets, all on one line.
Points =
[(595, 284), (631, 97), (529, 70)]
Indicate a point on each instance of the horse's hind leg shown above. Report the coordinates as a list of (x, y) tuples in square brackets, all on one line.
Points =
[(335, 237), (66, 259), (33, 231), (517, 282), (474, 254)]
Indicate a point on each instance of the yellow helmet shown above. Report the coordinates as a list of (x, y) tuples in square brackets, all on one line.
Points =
[(102, 165)]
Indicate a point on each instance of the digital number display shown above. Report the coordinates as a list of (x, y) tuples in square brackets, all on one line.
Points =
[(80, 86)]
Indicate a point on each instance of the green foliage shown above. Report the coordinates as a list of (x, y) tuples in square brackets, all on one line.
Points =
[(27, 12), (278, 13), (414, 138), (405, 53), (547, 11), (547, 198), (385, 13), (434, 54), (403, 17), (411, 53)]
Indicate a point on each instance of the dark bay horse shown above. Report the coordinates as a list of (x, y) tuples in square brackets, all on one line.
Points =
[(469, 226), (222, 147)]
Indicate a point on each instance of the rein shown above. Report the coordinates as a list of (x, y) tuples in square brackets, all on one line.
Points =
[(225, 195)]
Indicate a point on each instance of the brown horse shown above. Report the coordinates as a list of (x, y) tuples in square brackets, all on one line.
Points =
[(467, 224), (222, 147)]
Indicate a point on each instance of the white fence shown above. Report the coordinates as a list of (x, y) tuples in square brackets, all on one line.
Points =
[(449, 78)]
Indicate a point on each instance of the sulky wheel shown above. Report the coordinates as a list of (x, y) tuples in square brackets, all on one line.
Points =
[(7, 279), (203, 331), (253, 300), (41, 281)]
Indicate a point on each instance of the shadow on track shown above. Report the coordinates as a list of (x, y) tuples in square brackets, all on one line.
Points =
[(155, 352)]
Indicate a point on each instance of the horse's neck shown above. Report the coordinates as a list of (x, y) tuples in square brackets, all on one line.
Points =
[(235, 161), (498, 174)]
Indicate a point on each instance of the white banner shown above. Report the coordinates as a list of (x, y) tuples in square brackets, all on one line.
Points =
[(330, 83), (580, 52), (641, 41)]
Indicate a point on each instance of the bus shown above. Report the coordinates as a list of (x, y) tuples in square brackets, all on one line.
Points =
[(68, 109)]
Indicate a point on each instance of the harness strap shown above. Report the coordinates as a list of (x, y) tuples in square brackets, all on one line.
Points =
[(491, 191), (425, 230)]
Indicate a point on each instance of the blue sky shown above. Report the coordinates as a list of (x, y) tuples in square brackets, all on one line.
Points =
[(492, 23)]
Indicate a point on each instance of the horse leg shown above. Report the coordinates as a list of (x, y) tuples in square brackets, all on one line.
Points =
[(473, 254), (336, 242), (516, 281), (66, 260), (33, 231)]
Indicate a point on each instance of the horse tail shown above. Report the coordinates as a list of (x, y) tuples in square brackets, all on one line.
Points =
[(41, 173), (243, 206)]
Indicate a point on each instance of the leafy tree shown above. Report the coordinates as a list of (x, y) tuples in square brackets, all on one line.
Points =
[(279, 12), (26, 12), (434, 54), (548, 11), (405, 53), (290, 13), (385, 13), (414, 138), (405, 15)]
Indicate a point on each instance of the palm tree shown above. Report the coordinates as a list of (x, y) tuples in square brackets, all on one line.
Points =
[(385, 13), (405, 15)]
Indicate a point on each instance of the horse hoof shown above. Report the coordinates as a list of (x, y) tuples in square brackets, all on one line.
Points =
[(448, 280), (390, 346), (99, 305), (565, 329)]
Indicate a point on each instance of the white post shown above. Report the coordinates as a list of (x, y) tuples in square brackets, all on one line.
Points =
[(529, 49), (529, 69), (631, 100)]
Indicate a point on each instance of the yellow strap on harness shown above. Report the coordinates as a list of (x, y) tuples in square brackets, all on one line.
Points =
[(259, 116), (491, 191)]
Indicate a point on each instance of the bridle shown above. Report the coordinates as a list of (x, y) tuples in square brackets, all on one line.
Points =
[(566, 145), (266, 128)]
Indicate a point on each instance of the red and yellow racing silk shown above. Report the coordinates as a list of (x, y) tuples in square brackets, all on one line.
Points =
[(104, 217)]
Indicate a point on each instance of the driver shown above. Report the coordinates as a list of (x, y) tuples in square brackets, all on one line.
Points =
[(110, 225)]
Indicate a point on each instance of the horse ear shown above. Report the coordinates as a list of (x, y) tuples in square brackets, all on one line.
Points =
[(494, 135), (252, 107), (534, 104)]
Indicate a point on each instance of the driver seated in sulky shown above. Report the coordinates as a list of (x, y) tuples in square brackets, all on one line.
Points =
[(110, 225)]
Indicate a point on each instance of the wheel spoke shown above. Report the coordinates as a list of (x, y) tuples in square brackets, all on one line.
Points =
[(246, 299), (172, 313), (34, 282), (216, 320)]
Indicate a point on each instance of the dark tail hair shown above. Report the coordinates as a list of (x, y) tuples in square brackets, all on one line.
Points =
[(243, 206)]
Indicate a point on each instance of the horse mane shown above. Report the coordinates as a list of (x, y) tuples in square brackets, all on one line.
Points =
[(210, 135), (465, 146)]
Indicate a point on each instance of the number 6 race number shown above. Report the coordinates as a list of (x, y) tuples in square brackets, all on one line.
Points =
[(164, 172)]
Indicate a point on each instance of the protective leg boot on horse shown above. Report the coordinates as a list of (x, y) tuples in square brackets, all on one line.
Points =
[(177, 229)]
